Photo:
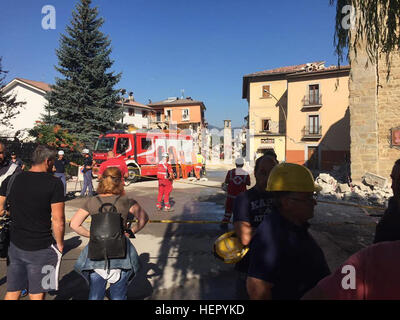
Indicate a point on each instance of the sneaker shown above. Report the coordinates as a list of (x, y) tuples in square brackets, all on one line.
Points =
[(24, 293)]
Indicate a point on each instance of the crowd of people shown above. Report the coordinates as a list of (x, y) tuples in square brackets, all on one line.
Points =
[(284, 262), (34, 201), (271, 219)]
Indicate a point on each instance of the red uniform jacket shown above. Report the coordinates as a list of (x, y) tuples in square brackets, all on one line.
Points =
[(237, 180), (164, 171)]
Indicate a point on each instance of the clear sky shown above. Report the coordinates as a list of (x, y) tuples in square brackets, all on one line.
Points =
[(162, 46)]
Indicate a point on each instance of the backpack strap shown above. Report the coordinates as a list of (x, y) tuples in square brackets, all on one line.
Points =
[(103, 204), (10, 183), (98, 198), (116, 200)]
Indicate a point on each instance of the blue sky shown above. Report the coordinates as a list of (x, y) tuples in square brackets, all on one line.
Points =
[(162, 46)]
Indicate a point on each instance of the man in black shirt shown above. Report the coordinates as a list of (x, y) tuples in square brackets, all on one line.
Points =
[(87, 173), (36, 202), (17, 161), (7, 167), (285, 260), (59, 168)]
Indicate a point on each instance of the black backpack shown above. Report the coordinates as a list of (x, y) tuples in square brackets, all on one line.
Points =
[(107, 239)]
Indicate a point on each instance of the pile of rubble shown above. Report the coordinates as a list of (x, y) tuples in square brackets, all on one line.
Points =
[(373, 191)]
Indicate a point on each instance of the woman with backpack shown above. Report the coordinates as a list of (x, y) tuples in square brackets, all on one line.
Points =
[(110, 255)]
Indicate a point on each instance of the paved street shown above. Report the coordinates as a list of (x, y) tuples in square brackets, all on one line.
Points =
[(177, 261)]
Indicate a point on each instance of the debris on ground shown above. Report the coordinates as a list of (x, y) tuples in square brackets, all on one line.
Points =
[(372, 191)]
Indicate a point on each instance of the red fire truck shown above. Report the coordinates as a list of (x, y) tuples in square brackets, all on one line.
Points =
[(142, 151)]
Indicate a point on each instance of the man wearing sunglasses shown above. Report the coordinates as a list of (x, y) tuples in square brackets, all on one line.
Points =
[(7, 167), (285, 261)]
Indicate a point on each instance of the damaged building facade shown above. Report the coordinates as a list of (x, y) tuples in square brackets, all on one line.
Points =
[(374, 115)]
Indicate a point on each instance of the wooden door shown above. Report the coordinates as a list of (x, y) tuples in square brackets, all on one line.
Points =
[(312, 161)]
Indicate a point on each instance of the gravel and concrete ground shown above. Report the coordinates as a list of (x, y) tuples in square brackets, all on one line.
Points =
[(177, 260)]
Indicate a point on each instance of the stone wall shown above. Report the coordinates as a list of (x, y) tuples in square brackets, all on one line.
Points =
[(374, 110), (388, 113)]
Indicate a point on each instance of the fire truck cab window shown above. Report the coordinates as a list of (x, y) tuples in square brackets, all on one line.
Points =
[(104, 144), (122, 145), (146, 143)]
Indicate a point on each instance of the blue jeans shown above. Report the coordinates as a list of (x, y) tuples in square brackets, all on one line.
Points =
[(64, 181), (118, 290), (87, 183)]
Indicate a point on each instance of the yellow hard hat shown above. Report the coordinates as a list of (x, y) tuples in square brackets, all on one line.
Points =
[(291, 177), (229, 249)]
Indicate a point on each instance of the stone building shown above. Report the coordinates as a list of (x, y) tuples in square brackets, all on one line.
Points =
[(374, 111)]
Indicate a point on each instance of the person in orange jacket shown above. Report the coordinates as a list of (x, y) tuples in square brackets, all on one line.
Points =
[(183, 164), (165, 176)]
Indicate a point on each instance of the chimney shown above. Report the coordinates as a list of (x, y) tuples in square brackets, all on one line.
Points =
[(131, 98)]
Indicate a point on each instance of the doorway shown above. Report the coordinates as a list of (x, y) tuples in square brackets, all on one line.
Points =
[(312, 157)]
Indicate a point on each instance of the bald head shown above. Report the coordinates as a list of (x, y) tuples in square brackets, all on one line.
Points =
[(110, 154), (263, 168)]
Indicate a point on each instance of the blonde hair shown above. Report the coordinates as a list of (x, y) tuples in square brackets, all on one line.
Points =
[(111, 182)]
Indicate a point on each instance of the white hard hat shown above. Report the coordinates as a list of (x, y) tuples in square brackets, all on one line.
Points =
[(165, 155), (85, 151), (60, 152), (239, 161)]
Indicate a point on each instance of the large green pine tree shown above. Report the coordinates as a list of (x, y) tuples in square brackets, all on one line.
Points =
[(83, 101), (9, 106)]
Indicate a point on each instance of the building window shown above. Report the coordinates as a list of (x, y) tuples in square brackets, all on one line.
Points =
[(266, 125), (131, 112), (158, 116), (168, 115), (313, 94), (266, 91), (144, 114), (313, 123), (185, 115)]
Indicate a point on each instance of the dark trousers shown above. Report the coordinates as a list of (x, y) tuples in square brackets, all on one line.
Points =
[(63, 179), (87, 183)]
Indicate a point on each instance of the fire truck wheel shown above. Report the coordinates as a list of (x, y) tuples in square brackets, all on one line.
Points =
[(134, 174)]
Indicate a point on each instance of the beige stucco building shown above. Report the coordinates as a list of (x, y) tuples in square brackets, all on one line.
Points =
[(266, 95), (318, 129), (301, 112)]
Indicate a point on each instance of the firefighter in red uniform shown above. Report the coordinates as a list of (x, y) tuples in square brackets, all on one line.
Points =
[(236, 181), (165, 175)]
